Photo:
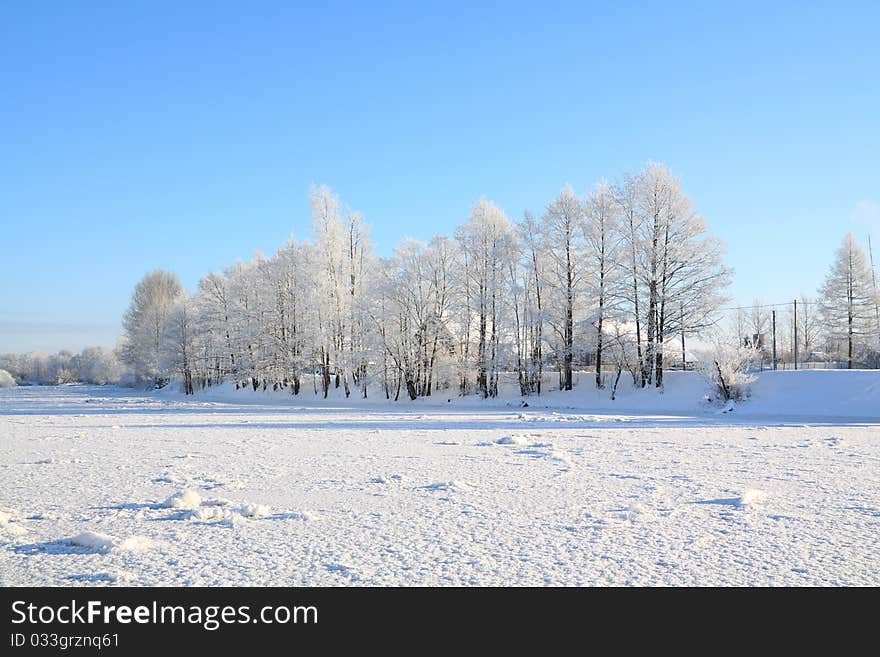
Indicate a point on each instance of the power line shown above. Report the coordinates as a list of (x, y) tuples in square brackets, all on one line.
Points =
[(771, 305)]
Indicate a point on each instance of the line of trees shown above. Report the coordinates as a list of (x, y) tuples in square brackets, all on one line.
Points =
[(613, 277), (91, 365)]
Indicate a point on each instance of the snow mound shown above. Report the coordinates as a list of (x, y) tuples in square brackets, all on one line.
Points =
[(185, 499), (98, 542), (752, 496), (211, 513), (138, 544), (254, 510), (6, 380), (93, 541), (511, 440)]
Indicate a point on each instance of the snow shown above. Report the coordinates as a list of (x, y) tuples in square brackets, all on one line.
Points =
[(254, 510), (93, 541), (138, 543), (10, 522), (6, 380), (243, 488), (752, 496), (185, 499)]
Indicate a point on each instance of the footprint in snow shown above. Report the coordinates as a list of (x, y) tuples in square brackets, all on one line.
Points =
[(343, 570), (395, 478), (455, 486)]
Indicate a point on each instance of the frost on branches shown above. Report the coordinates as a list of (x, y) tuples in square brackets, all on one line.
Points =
[(729, 368), (603, 281)]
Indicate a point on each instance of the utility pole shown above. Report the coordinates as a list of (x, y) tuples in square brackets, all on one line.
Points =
[(683, 355), (774, 337), (795, 335)]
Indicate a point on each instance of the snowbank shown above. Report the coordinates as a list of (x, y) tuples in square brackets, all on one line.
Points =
[(802, 394), (823, 393)]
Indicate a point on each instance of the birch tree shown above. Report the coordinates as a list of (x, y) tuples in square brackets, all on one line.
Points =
[(564, 245), (603, 270)]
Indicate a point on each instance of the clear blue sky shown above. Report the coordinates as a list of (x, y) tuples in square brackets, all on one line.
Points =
[(184, 135)]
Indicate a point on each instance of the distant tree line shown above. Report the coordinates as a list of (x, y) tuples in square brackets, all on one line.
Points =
[(92, 365)]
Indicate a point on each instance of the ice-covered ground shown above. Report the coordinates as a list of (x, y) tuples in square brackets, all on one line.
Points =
[(108, 486)]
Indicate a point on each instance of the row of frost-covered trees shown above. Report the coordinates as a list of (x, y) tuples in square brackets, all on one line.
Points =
[(613, 279)]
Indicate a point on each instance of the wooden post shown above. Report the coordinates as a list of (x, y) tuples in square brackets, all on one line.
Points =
[(774, 338), (795, 335)]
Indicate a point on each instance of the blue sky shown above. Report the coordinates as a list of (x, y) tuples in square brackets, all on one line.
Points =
[(185, 135)]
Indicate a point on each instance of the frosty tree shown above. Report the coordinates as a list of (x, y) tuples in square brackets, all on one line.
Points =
[(487, 243), (179, 346), (604, 274), (847, 301), (144, 324), (563, 240)]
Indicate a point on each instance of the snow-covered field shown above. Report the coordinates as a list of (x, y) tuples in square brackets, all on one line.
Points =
[(100, 485)]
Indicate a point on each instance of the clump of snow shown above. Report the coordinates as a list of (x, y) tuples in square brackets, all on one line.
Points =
[(93, 541), (752, 496), (211, 513), (223, 512), (254, 510), (6, 380), (104, 543), (185, 499), (511, 440), (138, 544)]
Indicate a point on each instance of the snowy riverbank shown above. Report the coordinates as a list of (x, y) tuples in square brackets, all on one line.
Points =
[(816, 395)]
